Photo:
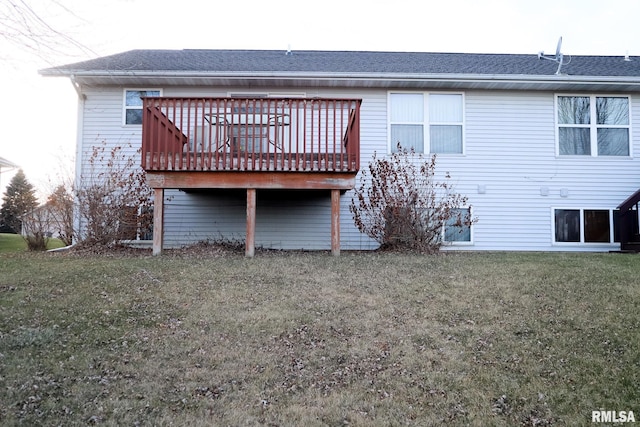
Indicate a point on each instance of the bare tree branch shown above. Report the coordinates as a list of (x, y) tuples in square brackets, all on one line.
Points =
[(26, 28)]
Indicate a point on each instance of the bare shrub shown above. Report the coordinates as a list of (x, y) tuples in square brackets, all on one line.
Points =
[(60, 205), (114, 200), (36, 226), (400, 204)]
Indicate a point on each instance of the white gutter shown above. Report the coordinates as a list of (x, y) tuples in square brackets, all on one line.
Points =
[(375, 79)]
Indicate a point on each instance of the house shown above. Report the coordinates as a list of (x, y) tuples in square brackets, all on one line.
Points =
[(44, 220), (266, 145), (4, 163)]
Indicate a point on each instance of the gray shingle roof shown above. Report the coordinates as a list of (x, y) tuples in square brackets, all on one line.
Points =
[(349, 63)]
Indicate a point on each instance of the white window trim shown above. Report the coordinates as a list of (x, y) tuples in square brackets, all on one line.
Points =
[(582, 242), (125, 107), (426, 124), (471, 227), (593, 126)]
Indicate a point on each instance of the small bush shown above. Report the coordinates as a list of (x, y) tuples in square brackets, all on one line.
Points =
[(400, 204), (114, 201), (35, 228), (37, 241)]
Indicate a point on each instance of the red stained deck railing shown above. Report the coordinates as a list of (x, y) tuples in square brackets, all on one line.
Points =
[(262, 134)]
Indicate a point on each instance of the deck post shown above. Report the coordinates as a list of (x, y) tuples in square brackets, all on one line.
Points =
[(335, 222), (251, 223), (158, 220)]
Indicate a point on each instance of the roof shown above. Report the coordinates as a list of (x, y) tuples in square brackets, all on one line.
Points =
[(4, 163), (350, 68)]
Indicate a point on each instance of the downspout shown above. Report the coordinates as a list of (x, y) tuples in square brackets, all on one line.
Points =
[(78, 167)]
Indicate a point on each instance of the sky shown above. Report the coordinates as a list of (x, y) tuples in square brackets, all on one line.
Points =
[(39, 114)]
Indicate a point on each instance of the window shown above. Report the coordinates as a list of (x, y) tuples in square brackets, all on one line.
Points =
[(593, 125), (426, 122), (133, 105), (136, 223), (585, 226), (596, 226), (455, 229), (400, 224)]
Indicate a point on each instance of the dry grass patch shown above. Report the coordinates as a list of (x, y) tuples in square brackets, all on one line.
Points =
[(213, 338)]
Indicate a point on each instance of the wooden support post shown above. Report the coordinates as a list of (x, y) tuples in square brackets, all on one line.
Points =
[(251, 223), (335, 222), (158, 220)]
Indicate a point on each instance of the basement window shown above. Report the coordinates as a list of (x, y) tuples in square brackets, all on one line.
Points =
[(590, 226), (455, 229)]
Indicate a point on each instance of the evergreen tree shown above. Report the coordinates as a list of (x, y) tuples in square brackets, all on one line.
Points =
[(18, 199)]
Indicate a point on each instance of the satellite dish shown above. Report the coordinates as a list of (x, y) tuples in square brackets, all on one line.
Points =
[(559, 57), (558, 49)]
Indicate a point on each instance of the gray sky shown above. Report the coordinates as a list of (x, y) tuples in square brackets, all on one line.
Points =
[(40, 113)]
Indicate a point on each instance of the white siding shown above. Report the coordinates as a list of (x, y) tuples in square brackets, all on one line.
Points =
[(102, 127), (509, 150), (102, 124), (284, 219)]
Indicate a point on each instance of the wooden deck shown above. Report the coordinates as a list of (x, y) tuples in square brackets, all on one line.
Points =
[(223, 134), (262, 143)]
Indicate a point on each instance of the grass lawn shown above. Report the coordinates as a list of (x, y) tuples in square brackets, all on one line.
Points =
[(15, 243), (290, 339)]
